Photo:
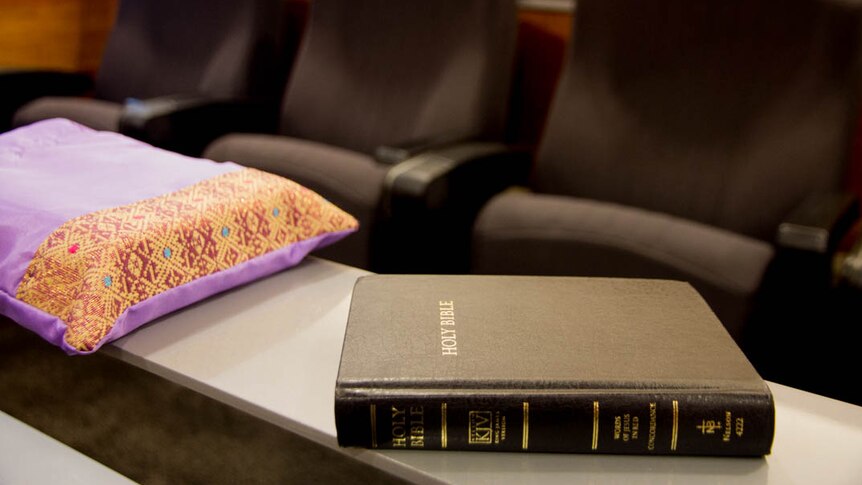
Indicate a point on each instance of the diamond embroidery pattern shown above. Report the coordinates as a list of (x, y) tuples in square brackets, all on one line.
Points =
[(94, 267)]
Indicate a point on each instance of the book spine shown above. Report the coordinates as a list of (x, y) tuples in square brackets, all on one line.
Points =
[(603, 422)]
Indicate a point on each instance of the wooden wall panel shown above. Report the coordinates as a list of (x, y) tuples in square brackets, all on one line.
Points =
[(542, 39), (60, 34), (97, 19)]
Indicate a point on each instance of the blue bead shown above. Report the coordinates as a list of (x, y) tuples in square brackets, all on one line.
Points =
[(167, 252), (276, 212), (225, 231), (108, 281)]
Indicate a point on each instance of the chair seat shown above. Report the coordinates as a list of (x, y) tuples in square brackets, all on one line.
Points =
[(352, 181), (94, 113), (558, 235)]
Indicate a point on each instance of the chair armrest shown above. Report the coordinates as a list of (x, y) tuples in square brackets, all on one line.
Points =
[(851, 266), (808, 241), (19, 87), (396, 153), (819, 223), (459, 176), (430, 202), (188, 123)]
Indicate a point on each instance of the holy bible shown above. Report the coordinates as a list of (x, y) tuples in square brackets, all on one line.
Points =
[(545, 364)]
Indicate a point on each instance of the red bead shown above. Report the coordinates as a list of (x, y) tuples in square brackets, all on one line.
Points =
[(73, 248)]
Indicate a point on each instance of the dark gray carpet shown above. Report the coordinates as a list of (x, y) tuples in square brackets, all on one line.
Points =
[(152, 430)]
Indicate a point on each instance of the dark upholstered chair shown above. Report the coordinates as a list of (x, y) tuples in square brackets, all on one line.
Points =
[(681, 136), (165, 56), (374, 83)]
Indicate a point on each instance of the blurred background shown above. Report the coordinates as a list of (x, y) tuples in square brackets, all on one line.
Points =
[(804, 345)]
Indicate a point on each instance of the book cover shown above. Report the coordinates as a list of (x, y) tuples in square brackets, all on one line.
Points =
[(545, 364)]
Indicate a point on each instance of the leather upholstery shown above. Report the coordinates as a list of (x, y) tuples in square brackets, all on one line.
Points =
[(94, 113), (680, 135), (376, 72), (221, 49)]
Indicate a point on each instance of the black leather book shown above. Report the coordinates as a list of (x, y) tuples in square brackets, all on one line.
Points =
[(545, 364)]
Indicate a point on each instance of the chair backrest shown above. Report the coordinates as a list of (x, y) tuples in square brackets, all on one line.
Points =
[(721, 111), (219, 48), (373, 72)]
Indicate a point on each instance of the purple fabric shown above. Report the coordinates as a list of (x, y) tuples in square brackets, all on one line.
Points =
[(55, 170), (52, 329)]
